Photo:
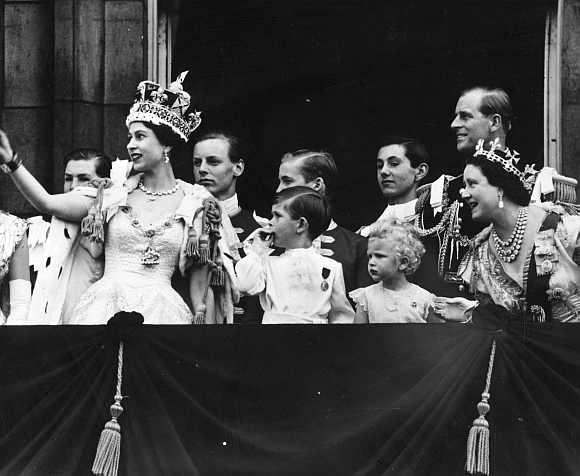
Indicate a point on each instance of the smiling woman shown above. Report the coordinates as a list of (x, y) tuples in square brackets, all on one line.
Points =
[(524, 260), (148, 226)]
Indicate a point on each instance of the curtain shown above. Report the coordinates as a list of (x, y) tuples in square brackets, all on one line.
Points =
[(290, 400)]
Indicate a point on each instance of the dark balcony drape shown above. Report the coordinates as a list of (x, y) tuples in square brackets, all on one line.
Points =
[(290, 400)]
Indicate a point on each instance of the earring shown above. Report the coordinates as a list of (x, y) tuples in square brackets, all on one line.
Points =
[(165, 156), (500, 202)]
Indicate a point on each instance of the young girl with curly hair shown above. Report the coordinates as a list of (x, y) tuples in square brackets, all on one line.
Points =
[(394, 252)]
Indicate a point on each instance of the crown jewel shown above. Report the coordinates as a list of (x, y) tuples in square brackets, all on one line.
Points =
[(165, 106), (508, 160)]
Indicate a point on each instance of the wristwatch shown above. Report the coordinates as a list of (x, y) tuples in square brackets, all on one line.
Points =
[(11, 166)]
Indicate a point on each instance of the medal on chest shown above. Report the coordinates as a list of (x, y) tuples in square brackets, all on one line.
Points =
[(325, 275)]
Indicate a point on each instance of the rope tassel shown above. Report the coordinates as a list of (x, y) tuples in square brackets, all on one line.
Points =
[(93, 225), (478, 440), (109, 448)]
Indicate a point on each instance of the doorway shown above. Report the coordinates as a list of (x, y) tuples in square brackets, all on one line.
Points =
[(338, 75)]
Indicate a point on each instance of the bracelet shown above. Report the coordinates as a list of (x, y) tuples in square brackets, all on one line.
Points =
[(11, 166)]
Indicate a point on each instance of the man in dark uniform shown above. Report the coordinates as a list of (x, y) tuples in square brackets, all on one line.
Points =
[(318, 170), (480, 113), (217, 165)]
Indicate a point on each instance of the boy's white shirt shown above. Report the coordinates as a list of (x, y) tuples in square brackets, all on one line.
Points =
[(260, 274)]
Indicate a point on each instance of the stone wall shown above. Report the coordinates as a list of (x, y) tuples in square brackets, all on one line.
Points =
[(70, 68)]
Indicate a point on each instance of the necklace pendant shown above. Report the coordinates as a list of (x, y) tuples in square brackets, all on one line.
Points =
[(150, 256)]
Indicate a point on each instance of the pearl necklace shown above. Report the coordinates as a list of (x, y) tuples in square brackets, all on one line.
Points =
[(508, 250), (153, 195)]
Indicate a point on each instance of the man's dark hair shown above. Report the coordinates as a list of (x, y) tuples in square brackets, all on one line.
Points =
[(235, 148), (495, 101), (305, 202), (102, 161), (316, 164), (415, 151)]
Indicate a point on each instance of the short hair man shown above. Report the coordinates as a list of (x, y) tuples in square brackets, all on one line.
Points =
[(65, 268), (481, 113), (318, 170), (218, 162), (402, 163), (84, 165)]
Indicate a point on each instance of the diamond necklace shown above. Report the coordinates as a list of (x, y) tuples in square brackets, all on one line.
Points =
[(153, 195), (508, 250)]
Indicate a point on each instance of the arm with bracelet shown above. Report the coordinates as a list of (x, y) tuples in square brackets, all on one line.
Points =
[(70, 207)]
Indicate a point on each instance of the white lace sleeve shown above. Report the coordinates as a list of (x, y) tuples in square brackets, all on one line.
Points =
[(359, 296)]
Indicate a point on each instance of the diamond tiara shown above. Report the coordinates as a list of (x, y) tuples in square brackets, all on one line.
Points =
[(508, 160)]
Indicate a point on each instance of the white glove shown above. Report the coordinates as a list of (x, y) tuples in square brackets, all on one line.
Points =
[(19, 302), (456, 309)]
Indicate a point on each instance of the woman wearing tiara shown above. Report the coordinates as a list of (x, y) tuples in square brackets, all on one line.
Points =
[(14, 274), (524, 261), (149, 225)]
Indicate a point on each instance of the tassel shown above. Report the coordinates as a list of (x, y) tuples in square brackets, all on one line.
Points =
[(98, 232), (478, 440), (87, 223), (191, 245), (203, 247), (93, 225), (218, 277), (203, 251), (109, 448), (200, 315)]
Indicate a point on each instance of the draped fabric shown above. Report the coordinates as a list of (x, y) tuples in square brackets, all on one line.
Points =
[(290, 400)]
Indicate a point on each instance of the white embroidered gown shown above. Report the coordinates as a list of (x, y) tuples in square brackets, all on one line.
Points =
[(128, 284), (12, 231)]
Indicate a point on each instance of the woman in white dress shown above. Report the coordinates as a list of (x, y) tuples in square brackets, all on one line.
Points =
[(151, 224), (14, 274)]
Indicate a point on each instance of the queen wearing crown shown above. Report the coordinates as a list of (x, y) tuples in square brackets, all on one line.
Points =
[(524, 260), (149, 225)]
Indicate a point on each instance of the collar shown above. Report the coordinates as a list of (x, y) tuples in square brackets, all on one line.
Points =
[(401, 211), (300, 251), (230, 205), (332, 225)]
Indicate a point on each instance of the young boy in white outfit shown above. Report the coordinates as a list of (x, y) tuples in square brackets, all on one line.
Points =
[(300, 286)]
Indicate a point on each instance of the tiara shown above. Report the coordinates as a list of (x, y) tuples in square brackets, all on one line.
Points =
[(165, 106), (508, 160)]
